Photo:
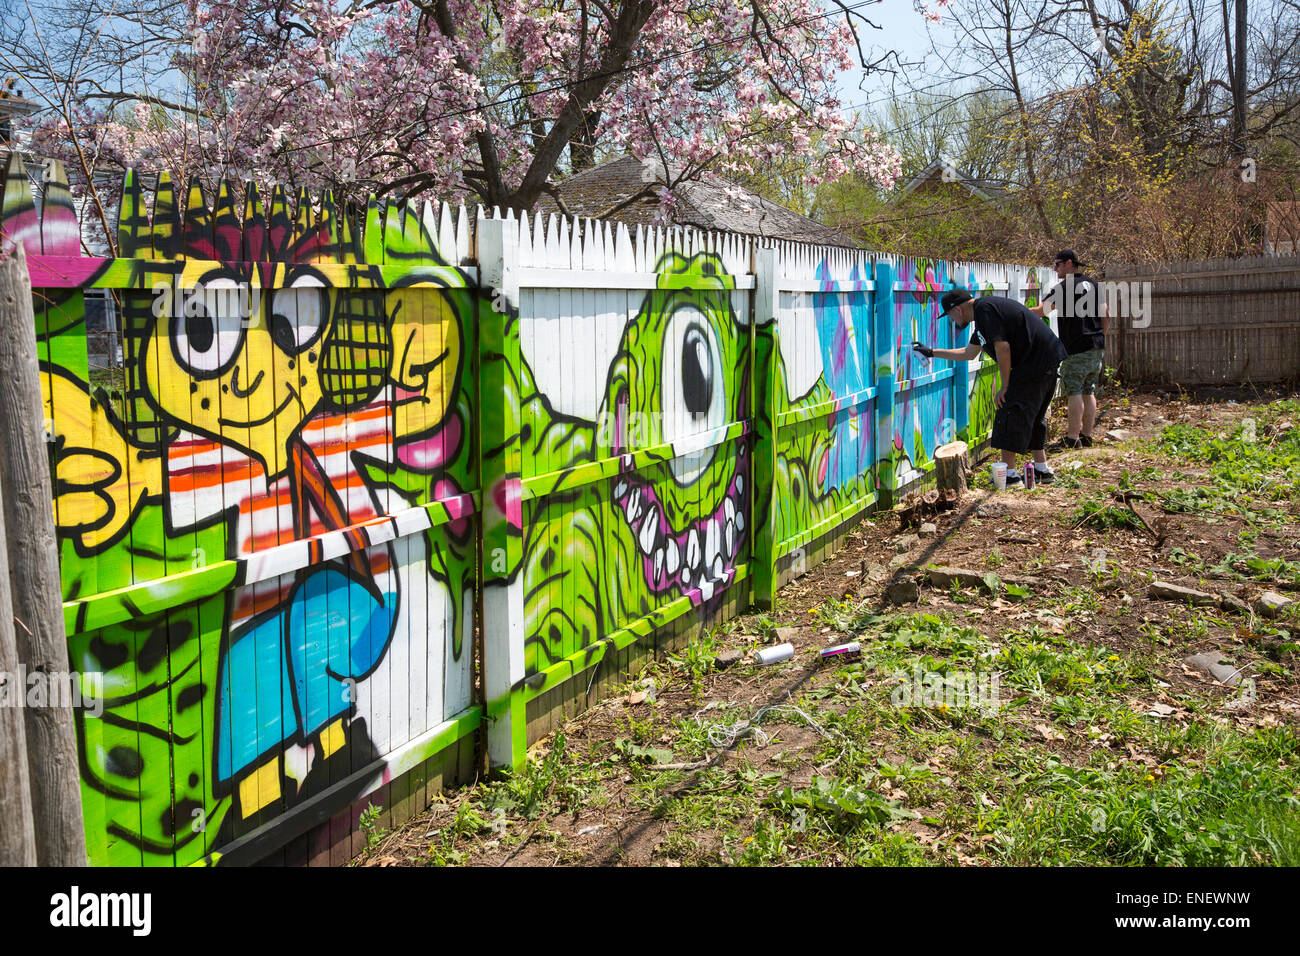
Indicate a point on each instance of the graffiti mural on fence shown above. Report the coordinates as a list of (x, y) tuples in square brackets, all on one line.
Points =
[(922, 415), (824, 463), (665, 519), (984, 378), (221, 508), (269, 509)]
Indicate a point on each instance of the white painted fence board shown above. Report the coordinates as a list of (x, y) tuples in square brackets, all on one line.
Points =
[(546, 277)]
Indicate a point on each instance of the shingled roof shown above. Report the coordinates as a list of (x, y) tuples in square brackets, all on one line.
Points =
[(709, 203), (933, 175)]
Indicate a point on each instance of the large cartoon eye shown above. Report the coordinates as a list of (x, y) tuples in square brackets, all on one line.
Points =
[(697, 372), (297, 317), (207, 333), (693, 389)]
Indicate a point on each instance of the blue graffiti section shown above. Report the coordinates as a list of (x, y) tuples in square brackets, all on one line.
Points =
[(922, 413), (844, 335)]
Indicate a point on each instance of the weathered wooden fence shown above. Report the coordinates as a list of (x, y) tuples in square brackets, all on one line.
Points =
[(1217, 322), (381, 490)]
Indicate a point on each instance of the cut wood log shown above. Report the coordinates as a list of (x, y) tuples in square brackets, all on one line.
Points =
[(952, 467)]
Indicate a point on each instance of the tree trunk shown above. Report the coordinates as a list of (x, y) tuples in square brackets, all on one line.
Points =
[(952, 467), (1239, 85), (33, 578), (1026, 133), (582, 147)]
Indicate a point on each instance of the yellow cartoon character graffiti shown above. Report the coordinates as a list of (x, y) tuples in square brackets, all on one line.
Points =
[(268, 395)]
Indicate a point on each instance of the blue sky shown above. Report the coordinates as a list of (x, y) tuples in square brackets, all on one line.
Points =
[(904, 30)]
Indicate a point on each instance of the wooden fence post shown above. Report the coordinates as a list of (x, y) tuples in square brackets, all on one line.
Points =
[(501, 473), (33, 577), (763, 477), (18, 834)]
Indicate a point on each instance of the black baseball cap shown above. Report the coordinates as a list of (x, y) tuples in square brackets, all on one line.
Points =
[(953, 298), (1067, 254)]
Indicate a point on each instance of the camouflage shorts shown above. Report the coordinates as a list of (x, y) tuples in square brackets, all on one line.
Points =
[(1081, 373)]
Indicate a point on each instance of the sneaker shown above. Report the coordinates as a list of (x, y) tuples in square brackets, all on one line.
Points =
[(1043, 474), (1084, 442), (1013, 478), (1065, 443)]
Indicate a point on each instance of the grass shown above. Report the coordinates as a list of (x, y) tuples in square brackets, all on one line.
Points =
[(1092, 756), (1069, 771), (1257, 462)]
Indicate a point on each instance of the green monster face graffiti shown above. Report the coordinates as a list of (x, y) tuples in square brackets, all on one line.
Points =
[(671, 519), (675, 375)]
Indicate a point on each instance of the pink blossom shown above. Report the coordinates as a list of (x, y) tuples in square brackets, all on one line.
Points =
[(374, 94)]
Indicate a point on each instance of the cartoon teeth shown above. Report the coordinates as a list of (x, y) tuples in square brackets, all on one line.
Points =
[(730, 511), (712, 541), (701, 556), (693, 549), (648, 529)]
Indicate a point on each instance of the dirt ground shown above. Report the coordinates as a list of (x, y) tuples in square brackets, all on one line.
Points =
[(685, 766)]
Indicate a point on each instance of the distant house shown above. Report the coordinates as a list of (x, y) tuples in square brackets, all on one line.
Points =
[(1282, 229), (940, 174), (12, 104), (709, 203)]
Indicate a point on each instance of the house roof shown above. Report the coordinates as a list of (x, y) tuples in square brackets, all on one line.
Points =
[(709, 203), (12, 100), (984, 188)]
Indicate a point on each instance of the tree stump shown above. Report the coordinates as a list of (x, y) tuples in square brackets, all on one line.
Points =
[(952, 467)]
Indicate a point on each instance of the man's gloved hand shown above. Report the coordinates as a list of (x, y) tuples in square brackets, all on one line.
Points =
[(925, 350)]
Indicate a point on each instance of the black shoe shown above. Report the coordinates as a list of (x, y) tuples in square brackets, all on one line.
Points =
[(1013, 478), (1044, 477), (1084, 442), (1065, 443)]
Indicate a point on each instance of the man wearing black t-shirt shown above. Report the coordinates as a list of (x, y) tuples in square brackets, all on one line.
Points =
[(1082, 320), (1027, 353)]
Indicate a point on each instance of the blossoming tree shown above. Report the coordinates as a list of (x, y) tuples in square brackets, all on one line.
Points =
[(491, 99)]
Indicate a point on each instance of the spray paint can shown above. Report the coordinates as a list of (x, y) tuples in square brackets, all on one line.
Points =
[(843, 651), (770, 655), (1029, 476)]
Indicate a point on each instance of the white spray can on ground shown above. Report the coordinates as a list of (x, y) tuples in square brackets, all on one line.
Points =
[(770, 655)]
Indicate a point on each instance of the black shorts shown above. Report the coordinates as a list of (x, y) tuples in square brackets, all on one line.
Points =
[(1020, 425)]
